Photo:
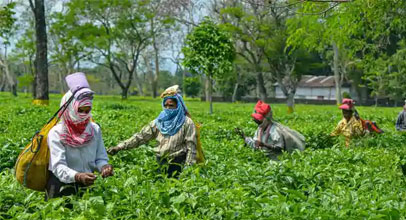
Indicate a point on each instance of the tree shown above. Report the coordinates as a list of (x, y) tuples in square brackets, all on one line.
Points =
[(282, 59), (378, 32), (317, 27), (41, 96), (208, 50), (364, 34), (6, 31), (65, 50), (192, 86), (114, 33), (161, 19), (244, 20)]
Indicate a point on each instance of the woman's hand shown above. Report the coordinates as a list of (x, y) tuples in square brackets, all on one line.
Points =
[(107, 170), (113, 150), (86, 179), (239, 132)]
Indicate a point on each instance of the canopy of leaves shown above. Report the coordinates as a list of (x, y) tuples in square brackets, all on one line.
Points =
[(208, 50), (6, 21), (370, 32)]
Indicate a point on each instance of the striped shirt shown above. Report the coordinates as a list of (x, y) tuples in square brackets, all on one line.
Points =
[(183, 142), (270, 135)]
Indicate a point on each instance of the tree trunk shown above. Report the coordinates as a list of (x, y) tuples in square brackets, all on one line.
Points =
[(61, 82), (234, 98), (337, 74), (261, 86), (14, 89), (150, 75), (124, 93), (139, 87), (291, 102), (8, 76), (156, 78), (3, 83), (41, 61), (183, 86), (207, 89), (210, 93)]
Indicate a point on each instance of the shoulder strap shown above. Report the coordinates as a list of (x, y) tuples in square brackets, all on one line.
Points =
[(63, 107)]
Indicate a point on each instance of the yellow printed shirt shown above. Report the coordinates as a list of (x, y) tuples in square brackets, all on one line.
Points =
[(350, 129), (183, 142)]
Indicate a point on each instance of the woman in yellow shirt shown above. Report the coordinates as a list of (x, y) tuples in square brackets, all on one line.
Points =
[(349, 126)]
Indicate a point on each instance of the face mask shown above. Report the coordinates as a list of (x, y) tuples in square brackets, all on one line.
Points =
[(258, 122)]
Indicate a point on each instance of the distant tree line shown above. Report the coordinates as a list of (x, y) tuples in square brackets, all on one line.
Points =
[(224, 47)]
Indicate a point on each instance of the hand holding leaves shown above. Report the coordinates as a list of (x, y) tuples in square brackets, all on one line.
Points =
[(239, 132), (86, 179)]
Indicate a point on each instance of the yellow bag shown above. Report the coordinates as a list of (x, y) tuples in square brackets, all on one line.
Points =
[(31, 168), (199, 150)]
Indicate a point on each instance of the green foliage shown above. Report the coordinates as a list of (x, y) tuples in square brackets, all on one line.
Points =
[(192, 86), (6, 21), (326, 181), (208, 50), (25, 80), (166, 79), (369, 34), (346, 95)]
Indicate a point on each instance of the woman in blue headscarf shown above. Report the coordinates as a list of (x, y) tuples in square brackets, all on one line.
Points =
[(174, 131)]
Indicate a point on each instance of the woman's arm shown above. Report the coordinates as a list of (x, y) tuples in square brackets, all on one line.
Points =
[(58, 164), (146, 134), (191, 141)]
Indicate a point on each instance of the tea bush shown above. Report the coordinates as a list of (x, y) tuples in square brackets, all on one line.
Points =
[(326, 181)]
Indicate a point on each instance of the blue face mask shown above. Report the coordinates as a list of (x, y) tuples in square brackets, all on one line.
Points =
[(170, 121), (168, 114)]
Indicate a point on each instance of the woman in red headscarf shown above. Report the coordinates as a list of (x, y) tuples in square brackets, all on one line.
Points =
[(349, 126), (271, 137)]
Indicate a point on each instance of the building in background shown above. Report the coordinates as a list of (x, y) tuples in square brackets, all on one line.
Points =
[(317, 88)]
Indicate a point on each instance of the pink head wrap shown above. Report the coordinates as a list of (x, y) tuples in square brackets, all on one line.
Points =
[(348, 104), (77, 130)]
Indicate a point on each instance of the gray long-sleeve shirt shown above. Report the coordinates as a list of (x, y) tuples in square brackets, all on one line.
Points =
[(401, 121), (66, 161)]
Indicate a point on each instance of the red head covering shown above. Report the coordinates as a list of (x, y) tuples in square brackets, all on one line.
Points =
[(348, 104), (261, 110)]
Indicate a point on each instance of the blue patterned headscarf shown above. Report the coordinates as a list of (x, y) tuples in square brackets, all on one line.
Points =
[(170, 121)]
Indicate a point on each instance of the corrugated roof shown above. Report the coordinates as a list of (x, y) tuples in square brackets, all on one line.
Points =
[(310, 81), (317, 81)]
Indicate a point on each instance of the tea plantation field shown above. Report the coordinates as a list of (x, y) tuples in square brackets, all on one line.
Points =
[(326, 181)]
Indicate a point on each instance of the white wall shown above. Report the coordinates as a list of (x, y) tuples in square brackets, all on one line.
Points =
[(326, 93)]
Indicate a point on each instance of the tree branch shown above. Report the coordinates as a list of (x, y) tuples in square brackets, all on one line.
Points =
[(32, 6)]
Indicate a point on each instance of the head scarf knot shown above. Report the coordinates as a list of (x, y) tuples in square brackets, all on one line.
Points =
[(170, 121), (77, 130)]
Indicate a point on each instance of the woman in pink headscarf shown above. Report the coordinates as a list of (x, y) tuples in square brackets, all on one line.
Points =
[(350, 126), (76, 145)]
